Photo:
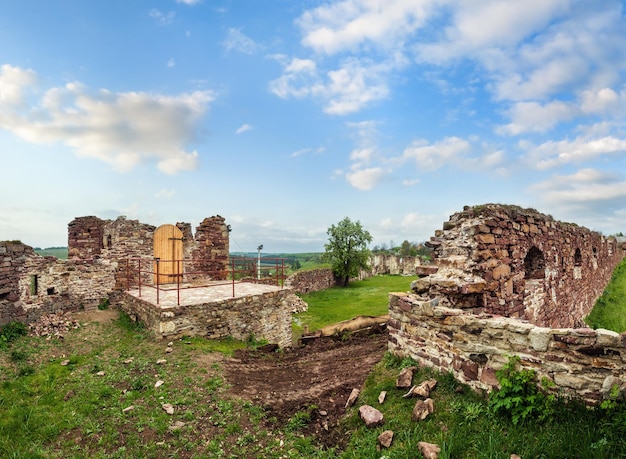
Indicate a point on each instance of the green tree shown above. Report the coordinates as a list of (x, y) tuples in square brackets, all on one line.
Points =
[(347, 250)]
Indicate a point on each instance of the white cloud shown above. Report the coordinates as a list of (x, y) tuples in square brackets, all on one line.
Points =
[(171, 63), (189, 2), (162, 19), (365, 179), (580, 150), (433, 156), (602, 101), (238, 41), (585, 193), (348, 89), (243, 128), (348, 24), (14, 81), (535, 117), (121, 129)]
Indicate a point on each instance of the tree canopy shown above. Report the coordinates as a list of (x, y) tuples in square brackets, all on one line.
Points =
[(347, 250)]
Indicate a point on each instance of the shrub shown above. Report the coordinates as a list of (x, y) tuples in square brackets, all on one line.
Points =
[(519, 397)]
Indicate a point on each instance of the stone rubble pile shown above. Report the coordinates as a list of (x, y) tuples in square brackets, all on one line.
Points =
[(53, 325)]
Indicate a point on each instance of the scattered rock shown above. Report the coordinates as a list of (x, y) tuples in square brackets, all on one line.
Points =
[(65, 363), (422, 409), (405, 378), (515, 456), (429, 450), (168, 407), (161, 361), (323, 413), (157, 384), (385, 438), (128, 408), (168, 350), (176, 426), (100, 373), (422, 390), (170, 344), (371, 416), (381, 397), (53, 325), (69, 395), (129, 360), (352, 398)]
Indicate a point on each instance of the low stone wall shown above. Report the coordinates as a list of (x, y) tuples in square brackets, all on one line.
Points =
[(311, 280), (581, 362), (266, 316)]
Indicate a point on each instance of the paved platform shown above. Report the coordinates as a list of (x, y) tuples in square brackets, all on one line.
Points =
[(169, 294)]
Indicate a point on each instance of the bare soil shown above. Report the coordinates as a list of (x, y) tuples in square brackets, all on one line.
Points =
[(317, 378)]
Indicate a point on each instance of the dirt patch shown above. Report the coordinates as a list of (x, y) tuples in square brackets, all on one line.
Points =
[(317, 378), (97, 315)]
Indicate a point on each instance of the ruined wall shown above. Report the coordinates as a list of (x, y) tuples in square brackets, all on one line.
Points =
[(266, 316), (32, 285), (122, 241), (211, 249), (519, 263), (393, 264), (581, 362), (311, 280)]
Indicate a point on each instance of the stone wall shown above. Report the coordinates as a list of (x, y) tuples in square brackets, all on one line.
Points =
[(519, 263), (33, 285), (511, 281), (392, 264), (266, 316), (311, 280), (581, 362)]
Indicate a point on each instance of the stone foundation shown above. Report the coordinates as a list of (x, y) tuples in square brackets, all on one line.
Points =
[(581, 362), (265, 316)]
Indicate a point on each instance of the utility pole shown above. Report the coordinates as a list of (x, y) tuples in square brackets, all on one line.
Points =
[(258, 263)]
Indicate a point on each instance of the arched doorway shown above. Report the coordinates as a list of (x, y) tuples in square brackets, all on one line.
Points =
[(168, 250)]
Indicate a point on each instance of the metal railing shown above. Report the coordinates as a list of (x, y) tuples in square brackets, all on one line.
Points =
[(201, 273)]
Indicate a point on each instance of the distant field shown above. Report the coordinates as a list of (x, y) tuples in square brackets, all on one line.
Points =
[(59, 252), (368, 297)]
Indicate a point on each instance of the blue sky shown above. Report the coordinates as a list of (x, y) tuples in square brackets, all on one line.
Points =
[(285, 117)]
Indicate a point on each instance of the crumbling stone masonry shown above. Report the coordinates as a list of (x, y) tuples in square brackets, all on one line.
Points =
[(98, 250), (518, 262), (512, 281)]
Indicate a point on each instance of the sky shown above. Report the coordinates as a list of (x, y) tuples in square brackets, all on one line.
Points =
[(286, 116)]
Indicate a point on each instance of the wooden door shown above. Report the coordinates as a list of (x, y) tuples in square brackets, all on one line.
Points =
[(168, 248)]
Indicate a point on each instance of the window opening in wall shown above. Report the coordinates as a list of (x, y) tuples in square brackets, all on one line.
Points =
[(109, 241), (578, 258), (534, 264), (50, 291), (33, 284)]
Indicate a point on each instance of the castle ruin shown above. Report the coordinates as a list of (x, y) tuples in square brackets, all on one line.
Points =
[(511, 281)]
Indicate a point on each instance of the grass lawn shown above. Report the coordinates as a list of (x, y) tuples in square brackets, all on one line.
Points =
[(367, 297), (610, 310)]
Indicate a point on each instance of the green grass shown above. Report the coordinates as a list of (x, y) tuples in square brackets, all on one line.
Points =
[(50, 410), (464, 427), (58, 252), (367, 297), (610, 310)]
